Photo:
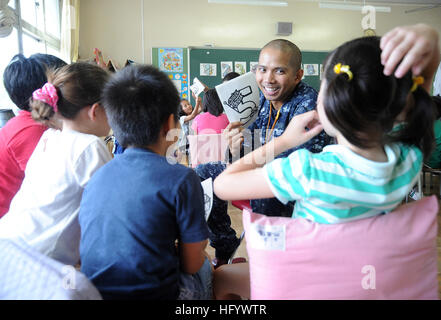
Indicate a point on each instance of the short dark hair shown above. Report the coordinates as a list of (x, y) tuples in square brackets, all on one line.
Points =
[(211, 103), (365, 108), (138, 100), (288, 47), (230, 76), (25, 75)]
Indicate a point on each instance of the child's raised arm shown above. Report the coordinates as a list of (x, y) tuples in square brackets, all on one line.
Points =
[(413, 48), (245, 178)]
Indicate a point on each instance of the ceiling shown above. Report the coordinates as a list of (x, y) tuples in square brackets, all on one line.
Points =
[(385, 2)]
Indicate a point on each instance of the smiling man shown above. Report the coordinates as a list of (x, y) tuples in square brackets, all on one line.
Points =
[(283, 96)]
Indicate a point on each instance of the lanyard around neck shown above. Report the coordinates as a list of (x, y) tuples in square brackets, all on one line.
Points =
[(269, 121)]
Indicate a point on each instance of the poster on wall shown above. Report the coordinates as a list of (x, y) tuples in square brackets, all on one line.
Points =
[(253, 66), (208, 69), (311, 69), (240, 67), (171, 59), (226, 68), (180, 80)]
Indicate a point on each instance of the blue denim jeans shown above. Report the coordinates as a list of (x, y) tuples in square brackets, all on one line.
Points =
[(198, 286)]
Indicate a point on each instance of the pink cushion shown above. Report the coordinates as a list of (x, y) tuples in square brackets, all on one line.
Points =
[(206, 147), (392, 256)]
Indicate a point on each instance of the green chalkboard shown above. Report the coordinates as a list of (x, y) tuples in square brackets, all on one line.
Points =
[(204, 56), (314, 58)]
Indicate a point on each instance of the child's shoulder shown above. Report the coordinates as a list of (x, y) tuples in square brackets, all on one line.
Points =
[(146, 160)]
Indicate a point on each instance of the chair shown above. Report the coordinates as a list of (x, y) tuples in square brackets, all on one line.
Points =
[(241, 205), (206, 148), (431, 173), (28, 275), (391, 256)]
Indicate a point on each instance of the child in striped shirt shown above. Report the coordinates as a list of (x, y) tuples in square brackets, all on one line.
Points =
[(383, 125)]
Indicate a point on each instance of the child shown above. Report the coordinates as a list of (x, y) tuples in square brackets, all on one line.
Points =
[(373, 166), (186, 115), (138, 205), (44, 212), (21, 134), (213, 120)]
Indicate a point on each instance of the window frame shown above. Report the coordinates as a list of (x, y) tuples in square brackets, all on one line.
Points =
[(26, 28)]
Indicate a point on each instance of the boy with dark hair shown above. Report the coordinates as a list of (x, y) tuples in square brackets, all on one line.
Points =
[(137, 207), (21, 134)]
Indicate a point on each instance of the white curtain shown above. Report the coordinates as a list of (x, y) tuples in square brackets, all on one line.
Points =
[(70, 30), (7, 19)]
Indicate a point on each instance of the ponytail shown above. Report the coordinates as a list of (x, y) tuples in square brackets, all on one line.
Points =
[(70, 89), (417, 128)]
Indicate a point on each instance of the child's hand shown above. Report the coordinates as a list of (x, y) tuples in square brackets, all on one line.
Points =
[(301, 129), (415, 46)]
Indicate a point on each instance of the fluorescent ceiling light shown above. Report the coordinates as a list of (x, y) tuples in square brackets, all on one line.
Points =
[(354, 7), (252, 2)]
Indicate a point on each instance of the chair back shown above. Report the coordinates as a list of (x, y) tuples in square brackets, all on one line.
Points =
[(391, 256), (206, 148)]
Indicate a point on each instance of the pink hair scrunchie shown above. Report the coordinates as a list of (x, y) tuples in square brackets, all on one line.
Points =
[(47, 94)]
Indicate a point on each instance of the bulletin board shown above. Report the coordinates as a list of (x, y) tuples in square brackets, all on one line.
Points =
[(209, 64), (174, 62)]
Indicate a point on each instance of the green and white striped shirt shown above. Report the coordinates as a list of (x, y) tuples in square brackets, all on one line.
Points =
[(337, 185)]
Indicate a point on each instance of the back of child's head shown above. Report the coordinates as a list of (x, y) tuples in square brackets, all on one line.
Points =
[(230, 76), (77, 86), (138, 100), (363, 104), (211, 103), (25, 75)]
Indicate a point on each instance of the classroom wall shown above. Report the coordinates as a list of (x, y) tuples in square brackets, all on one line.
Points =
[(115, 26)]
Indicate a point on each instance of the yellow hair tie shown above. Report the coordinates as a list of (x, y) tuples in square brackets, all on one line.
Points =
[(417, 81), (339, 68)]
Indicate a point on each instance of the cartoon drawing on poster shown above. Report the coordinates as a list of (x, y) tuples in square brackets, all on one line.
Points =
[(240, 98), (226, 68), (208, 69), (311, 69), (207, 186), (240, 67), (253, 66), (171, 59), (181, 83)]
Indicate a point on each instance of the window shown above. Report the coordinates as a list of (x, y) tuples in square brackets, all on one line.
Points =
[(38, 30)]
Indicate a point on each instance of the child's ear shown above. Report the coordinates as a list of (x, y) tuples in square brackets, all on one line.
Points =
[(93, 111), (170, 124)]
